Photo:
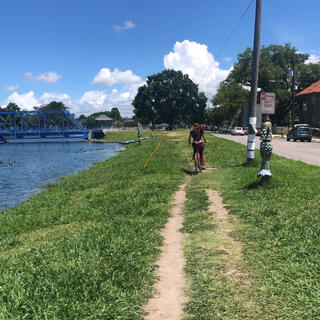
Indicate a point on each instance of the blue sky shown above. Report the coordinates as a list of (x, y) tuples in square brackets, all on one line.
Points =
[(93, 55)]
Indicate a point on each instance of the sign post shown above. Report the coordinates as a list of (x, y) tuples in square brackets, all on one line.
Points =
[(268, 102)]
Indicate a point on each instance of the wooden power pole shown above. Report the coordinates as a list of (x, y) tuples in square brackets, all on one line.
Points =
[(254, 84)]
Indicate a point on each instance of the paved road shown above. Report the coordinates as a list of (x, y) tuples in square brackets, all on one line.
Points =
[(304, 151)]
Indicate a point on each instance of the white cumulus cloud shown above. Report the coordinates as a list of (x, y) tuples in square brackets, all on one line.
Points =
[(12, 87), (95, 100), (49, 77), (25, 101), (313, 59), (194, 59), (126, 26), (59, 97), (108, 78), (90, 101)]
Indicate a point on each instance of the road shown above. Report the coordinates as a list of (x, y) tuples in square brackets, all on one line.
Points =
[(304, 151)]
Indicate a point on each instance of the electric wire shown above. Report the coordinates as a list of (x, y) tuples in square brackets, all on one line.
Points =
[(228, 39)]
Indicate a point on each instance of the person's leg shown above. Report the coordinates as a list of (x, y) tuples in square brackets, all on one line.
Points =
[(201, 155), (194, 150)]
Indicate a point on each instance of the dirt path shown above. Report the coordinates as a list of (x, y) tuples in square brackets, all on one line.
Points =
[(233, 248), (169, 299)]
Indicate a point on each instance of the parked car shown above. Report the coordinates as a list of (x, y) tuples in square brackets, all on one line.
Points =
[(237, 131), (224, 130), (300, 133)]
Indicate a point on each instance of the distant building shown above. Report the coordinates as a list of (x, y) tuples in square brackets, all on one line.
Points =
[(103, 122), (309, 106), (128, 122)]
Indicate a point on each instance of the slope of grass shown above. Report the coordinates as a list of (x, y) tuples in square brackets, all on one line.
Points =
[(279, 227), (85, 248), (125, 135)]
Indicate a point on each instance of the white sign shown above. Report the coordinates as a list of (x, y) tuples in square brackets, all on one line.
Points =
[(268, 102)]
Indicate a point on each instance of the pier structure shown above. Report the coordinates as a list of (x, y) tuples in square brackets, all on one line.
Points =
[(43, 124)]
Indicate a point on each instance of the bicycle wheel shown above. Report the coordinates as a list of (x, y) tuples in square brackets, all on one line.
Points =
[(197, 163)]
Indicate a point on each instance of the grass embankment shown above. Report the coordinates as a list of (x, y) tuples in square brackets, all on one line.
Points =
[(125, 135), (279, 228), (86, 247)]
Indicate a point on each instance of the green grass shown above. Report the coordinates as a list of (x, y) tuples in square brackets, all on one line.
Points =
[(125, 135), (279, 227), (86, 247)]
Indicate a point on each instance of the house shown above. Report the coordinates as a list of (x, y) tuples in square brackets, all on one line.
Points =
[(309, 105), (103, 122)]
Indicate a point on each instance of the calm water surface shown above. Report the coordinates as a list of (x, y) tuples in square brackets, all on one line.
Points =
[(40, 163)]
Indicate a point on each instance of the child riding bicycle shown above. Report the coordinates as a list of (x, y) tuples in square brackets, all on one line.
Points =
[(197, 133)]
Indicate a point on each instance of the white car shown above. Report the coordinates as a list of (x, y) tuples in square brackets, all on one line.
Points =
[(237, 131)]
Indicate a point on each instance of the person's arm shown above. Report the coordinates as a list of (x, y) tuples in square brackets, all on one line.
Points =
[(190, 138), (204, 138)]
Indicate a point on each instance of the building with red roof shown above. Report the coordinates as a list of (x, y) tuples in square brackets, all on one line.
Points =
[(309, 110)]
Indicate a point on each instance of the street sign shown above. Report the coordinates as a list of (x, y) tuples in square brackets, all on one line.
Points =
[(268, 102)]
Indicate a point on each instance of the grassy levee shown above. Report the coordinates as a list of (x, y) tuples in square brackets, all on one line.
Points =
[(85, 248), (278, 225), (125, 135)]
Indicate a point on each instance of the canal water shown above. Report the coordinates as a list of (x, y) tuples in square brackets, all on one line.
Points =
[(28, 166)]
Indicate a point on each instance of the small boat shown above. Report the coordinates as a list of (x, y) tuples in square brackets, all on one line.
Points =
[(129, 141)]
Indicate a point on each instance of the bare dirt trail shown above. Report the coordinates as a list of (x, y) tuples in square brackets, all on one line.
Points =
[(169, 300), (233, 248)]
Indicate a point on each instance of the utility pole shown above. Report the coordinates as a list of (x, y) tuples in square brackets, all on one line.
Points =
[(254, 84), (292, 93)]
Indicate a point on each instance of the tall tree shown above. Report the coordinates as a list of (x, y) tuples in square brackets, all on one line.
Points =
[(8, 119), (169, 96), (11, 106), (53, 105), (229, 99), (276, 64), (115, 114)]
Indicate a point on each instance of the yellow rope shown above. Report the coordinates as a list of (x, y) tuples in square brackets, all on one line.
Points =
[(155, 150)]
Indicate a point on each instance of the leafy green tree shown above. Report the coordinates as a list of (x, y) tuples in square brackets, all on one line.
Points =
[(169, 97), (115, 114), (276, 64), (82, 117), (307, 75), (53, 105), (229, 99), (144, 106), (8, 119), (11, 107)]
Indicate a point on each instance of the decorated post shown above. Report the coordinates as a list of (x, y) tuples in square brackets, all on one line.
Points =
[(265, 151), (268, 104)]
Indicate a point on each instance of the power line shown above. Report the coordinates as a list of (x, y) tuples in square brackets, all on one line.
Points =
[(228, 38)]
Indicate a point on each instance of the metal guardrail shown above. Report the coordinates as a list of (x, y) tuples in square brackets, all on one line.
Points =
[(40, 124)]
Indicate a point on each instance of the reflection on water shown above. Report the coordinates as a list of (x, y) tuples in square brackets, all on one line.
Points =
[(36, 164)]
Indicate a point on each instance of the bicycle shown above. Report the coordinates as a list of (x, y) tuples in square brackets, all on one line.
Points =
[(197, 159)]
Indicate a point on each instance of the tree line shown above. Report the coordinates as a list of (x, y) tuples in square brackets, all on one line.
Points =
[(281, 69), (86, 121), (171, 97)]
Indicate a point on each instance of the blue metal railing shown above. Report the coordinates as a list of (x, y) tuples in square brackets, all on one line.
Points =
[(40, 124)]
